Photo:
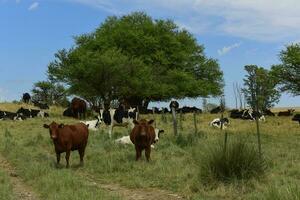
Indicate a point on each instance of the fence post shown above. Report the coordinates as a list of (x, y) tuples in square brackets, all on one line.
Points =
[(181, 119), (195, 122), (174, 121)]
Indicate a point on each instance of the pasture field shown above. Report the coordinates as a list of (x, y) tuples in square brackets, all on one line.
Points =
[(111, 172)]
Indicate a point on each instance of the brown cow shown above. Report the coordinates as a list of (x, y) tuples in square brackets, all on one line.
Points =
[(67, 138), (289, 112), (142, 136), (78, 107)]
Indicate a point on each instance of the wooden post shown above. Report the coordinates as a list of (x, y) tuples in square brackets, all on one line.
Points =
[(195, 122), (181, 119), (174, 121)]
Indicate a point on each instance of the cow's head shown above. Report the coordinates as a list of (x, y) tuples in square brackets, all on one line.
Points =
[(143, 126), (158, 132), (53, 129), (99, 121)]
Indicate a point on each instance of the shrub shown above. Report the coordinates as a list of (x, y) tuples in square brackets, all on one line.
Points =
[(240, 161)]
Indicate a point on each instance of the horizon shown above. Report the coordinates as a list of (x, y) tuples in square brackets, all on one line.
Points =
[(234, 33)]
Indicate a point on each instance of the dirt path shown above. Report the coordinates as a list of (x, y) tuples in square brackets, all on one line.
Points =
[(21, 191), (132, 194)]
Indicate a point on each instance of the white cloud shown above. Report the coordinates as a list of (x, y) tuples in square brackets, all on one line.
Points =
[(263, 20), (33, 6), (226, 49)]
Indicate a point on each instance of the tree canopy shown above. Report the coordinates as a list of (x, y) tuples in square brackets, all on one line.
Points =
[(288, 72), (136, 58), (260, 87)]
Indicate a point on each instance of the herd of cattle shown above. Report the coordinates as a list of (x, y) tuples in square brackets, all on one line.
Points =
[(143, 135)]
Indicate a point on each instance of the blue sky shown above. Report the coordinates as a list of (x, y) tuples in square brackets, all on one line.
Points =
[(236, 33)]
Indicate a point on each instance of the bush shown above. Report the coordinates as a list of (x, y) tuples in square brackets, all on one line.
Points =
[(240, 161)]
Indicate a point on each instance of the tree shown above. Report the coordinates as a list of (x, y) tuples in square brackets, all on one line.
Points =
[(49, 92), (260, 88), (138, 59), (288, 72)]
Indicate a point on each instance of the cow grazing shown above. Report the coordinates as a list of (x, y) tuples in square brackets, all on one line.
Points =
[(126, 139), (118, 117), (143, 136), (216, 110), (26, 97), (78, 107), (289, 112), (296, 118), (67, 138), (218, 123), (93, 124), (40, 105)]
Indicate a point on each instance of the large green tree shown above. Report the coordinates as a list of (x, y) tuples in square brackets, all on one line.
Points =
[(136, 58), (260, 87), (288, 72)]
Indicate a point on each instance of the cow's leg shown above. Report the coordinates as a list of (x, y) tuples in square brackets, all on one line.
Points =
[(67, 157), (57, 158), (81, 154), (138, 153), (147, 153)]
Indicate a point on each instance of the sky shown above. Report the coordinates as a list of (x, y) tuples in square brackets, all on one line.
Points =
[(235, 32)]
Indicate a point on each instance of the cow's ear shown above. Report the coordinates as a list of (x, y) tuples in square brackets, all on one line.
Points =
[(61, 126), (135, 122), (151, 121), (46, 126)]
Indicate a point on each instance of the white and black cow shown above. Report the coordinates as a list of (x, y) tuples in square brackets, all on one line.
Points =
[(126, 139), (118, 117), (93, 124), (247, 114), (218, 123), (5, 115), (31, 113)]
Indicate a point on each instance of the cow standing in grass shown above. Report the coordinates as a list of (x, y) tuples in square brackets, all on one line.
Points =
[(143, 136), (287, 113), (67, 138)]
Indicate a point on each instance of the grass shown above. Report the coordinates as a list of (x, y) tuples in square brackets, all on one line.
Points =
[(174, 164), (6, 191)]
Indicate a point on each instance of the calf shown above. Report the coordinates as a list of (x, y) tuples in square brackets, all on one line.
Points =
[(143, 136), (220, 123), (118, 117), (78, 107), (26, 97), (296, 118), (126, 139), (67, 138), (31, 113), (289, 112), (93, 124)]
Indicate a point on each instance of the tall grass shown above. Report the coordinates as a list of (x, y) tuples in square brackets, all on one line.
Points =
[(239, 161), (6, 191)]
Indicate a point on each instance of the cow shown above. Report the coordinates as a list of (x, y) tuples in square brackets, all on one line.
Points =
[(216, 110), (247, 114), (143, 136), (26, 97), (40, 105), (296, 118), (220, 123), (93, 124), (268, 112), (289, 112), (31, 113), (68, 112), (67, 138), (117, 117), (187, 109), (174, 104), (78, 107), (6, 115), (126, 139)]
